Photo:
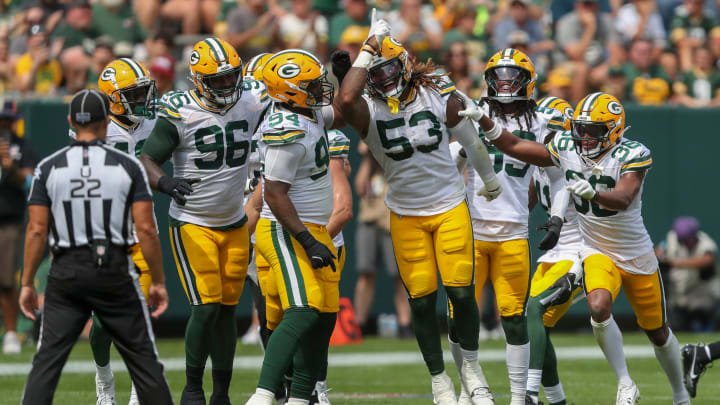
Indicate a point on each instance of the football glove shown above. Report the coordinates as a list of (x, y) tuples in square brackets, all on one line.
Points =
[(582, 188), (471, 110), (564, 287), (320, 256), (378, 29), (340, 63), (553, 227), (490, 190), (176, 187)]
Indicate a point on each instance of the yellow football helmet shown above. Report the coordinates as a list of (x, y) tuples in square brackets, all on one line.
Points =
[(558, 104), (253, 69), (390, 70), (297, 78), (216, 70), (510, 75), (129, 88), (598, 124)]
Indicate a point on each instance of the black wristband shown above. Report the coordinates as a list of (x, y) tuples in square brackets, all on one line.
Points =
[(305, 238)]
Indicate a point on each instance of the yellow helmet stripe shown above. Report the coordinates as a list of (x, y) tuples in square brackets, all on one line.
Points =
[(217, 49), (134, 67)]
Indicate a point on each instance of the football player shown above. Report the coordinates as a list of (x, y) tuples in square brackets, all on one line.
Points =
[(131, 92), (407, 119), (605, 173), (500, 226), (301, 280), (207, 132), (557, 279)]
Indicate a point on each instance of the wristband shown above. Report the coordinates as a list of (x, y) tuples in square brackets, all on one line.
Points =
[(363, 60), (494, 133)]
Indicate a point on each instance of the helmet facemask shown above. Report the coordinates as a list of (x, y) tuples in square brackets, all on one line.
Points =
[(137, 99), (387, 79), (592, 139), (320, 92), (223, 88), (507, 83)]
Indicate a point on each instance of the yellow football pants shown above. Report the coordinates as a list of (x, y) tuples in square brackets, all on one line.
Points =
[(286, 276), (273, 305), (645, 292), (424, 245), (212, 264), (507, 264), (144, 277), (546, 275)]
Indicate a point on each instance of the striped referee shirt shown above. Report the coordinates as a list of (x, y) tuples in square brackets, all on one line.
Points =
[(89, 188)]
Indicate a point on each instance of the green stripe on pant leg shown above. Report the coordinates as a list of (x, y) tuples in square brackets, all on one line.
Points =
[(427, 331), (100, 341), (283, 265), (296, 266)]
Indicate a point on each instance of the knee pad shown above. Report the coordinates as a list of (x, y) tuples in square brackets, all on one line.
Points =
[(457, 294), (423, 304)]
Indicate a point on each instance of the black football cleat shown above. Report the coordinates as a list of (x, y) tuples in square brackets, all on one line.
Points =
[(694, 364)]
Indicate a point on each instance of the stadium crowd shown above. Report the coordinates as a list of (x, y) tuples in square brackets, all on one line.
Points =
[(644, 51)]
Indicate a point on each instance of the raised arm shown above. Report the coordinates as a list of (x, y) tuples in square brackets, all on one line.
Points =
[(528, 151)]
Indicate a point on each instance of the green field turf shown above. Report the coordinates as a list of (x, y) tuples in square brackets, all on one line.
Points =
[(586, 382)]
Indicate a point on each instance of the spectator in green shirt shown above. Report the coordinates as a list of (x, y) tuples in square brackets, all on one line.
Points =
[(690, 28), (75, 29), (647, 82), (700, 86), (116, 19), (356, 13)]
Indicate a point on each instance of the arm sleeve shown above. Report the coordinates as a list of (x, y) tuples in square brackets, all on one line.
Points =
[(162, 141), (560, 194), (477, 153), (38, 192), (328, 116), (282, 161)]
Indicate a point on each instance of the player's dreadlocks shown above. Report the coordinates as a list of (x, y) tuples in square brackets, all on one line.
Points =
[(422, 74), (525, 109)]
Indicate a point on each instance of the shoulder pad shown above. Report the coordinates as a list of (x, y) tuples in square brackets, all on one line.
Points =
[(170, 104), (445, 85), (257, 89)]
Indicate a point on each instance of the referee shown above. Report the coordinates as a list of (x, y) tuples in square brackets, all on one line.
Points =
[(88, 195)]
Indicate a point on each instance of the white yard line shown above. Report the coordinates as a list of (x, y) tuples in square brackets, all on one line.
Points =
[(343, 360)]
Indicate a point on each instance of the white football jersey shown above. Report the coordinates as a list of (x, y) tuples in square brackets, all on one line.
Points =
[(621, 235), (548, 181), (129, 139), (514, 177), (339, 148), (412, 148), (214, 147), (311, 191)]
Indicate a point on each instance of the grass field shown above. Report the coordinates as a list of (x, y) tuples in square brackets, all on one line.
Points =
[(382, 371)]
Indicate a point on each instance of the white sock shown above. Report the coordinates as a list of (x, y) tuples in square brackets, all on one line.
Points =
[(610, 339), (262, 393), (533, 381), (554, 394), (104, 372), (297, 401), (517, 358), (457, 354), (668, 356), (471, 356)]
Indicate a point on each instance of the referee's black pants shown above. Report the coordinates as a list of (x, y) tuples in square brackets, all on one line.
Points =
[(74, 289)]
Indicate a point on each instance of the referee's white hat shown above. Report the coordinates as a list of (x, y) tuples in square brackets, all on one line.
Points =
[(88, 106)]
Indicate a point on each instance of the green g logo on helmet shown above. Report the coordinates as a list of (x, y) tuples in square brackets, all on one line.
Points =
[(288, 71), (615, 107)]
